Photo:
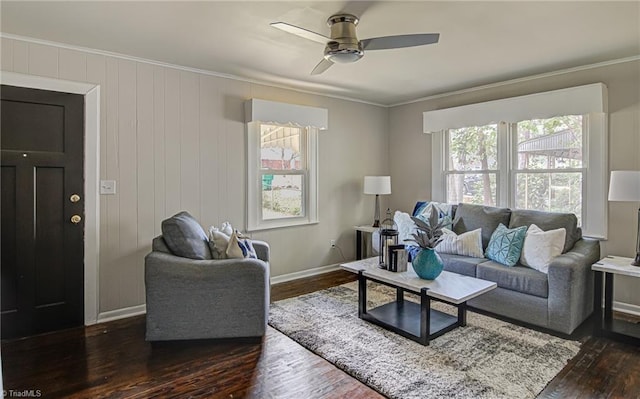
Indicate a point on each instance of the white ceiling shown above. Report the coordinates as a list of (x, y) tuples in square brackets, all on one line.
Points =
[(480, 42)]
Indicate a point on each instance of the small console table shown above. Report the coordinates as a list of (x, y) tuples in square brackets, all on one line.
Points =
[(359, 230), (605, 325)]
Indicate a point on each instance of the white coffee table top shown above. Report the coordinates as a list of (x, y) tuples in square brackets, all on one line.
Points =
[(617, 265), (450, 287)]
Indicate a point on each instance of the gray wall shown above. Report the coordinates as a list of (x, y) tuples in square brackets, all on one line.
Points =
[(175, 139), (410, 155)]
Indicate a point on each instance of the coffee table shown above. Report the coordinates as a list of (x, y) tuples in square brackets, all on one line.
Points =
[(416, 321)]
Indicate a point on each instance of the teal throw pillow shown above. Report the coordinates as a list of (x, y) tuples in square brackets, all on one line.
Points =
[(505, 245)]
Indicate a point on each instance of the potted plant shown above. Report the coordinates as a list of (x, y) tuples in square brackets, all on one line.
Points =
[(427, 263)]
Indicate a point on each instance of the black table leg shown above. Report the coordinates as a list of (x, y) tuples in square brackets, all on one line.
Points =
[(425, 317), (608, 299), (597, 303), (399, 296), (358, 245), (462, 314), (362, 294)]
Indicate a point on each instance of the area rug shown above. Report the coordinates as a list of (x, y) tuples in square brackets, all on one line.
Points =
[(488, 358)]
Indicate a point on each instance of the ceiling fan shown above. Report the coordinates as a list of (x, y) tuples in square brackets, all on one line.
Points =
[(344, 47)]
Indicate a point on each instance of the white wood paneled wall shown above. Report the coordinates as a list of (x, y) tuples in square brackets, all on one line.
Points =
[(174, 139)]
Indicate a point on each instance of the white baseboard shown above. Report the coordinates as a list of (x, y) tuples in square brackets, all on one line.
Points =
[(117, 314), (112, 315), (626, 308), (305, 273)]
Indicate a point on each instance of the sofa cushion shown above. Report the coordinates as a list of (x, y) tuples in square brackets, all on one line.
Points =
[(470, 217), (506, 244), (185, 237), (517, 278), (549, 221), (461, 264)]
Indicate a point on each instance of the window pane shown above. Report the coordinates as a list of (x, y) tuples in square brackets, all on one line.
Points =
[(281, 196), (554, 192), (473, 148), (280, 147), (472, 188), (554, 143)]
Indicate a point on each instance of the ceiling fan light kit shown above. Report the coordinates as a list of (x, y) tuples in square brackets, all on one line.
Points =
[(344, 47)]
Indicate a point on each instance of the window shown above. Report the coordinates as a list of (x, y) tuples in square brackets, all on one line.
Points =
[(282, 186), (473, 165), (543, 151), (546, 172), (283, 171), (548, 164)]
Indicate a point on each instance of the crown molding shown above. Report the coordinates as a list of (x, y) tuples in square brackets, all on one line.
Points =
[(279, 86), (521, 80), (179, 67)]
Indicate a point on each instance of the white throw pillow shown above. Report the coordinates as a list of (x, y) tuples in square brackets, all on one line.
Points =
[(233, 249), (406, 227), (218, 243), (466, 244), (540, 247)]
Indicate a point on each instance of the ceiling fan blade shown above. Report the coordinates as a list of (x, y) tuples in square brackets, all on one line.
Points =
[(400, 41), (296, 30), (322, 66)]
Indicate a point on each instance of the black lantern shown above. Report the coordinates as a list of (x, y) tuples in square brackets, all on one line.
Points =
[(388, 238)]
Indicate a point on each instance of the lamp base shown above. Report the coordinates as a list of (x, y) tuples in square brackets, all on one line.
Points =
[(636, 261), (376, 223)]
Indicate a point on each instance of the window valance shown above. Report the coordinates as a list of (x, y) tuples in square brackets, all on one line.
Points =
[(578, 100), (257, 110)]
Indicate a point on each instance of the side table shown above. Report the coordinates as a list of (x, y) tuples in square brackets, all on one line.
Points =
[(605, 325), (359, 230)]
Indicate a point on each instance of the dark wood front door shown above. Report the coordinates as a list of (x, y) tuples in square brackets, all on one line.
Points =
[(42, 136)]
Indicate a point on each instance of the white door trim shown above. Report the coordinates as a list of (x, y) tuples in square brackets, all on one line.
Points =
[(91, 94)]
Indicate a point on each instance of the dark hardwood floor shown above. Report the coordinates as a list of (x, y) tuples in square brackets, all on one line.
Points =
[(113, 360)]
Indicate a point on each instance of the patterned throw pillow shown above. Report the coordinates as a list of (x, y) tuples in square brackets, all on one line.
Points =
[(505, 245), (465, 244), (445, 211)]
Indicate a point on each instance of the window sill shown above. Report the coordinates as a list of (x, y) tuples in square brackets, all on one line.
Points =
[(281, 225)]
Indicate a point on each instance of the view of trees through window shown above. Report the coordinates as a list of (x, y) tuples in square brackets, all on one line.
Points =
[(547, 168), (550, 172), (473, 165), (282, 171)]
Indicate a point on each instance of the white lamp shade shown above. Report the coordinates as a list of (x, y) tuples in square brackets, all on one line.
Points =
[(377, 184), (624, 185)]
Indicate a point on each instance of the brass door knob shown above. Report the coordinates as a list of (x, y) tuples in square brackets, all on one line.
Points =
[(74, 198), (75, 219)]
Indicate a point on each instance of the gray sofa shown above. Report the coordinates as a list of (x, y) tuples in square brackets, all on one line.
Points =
[(560, 300), (205, 298)]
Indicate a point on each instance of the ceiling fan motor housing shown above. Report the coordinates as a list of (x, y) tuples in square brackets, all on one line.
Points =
[(344, 46)]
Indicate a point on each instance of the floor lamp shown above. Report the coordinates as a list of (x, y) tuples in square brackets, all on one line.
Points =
[(377, 185), (624, 185)]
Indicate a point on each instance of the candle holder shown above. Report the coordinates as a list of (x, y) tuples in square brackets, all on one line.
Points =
[(388, 238)]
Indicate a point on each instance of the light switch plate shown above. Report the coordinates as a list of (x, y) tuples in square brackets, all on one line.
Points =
[(107, 187)]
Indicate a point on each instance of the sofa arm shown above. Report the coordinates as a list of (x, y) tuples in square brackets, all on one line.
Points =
[(227, 295), (571, 285), (262, 249)]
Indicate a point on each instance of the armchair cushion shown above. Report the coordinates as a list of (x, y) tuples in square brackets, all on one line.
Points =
[(185, 237)]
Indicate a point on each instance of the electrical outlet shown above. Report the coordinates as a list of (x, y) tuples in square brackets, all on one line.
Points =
[(332, 243)]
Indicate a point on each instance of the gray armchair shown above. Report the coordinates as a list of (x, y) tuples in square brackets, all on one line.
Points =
[(202, 299)]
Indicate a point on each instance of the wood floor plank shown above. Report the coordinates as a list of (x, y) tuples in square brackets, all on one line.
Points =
[(112, 360)]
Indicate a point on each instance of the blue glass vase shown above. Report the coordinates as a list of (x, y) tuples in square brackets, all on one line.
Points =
[(427, 264)]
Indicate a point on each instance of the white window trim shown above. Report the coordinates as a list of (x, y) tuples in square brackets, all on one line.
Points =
[(254, 183), (595, 211)]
